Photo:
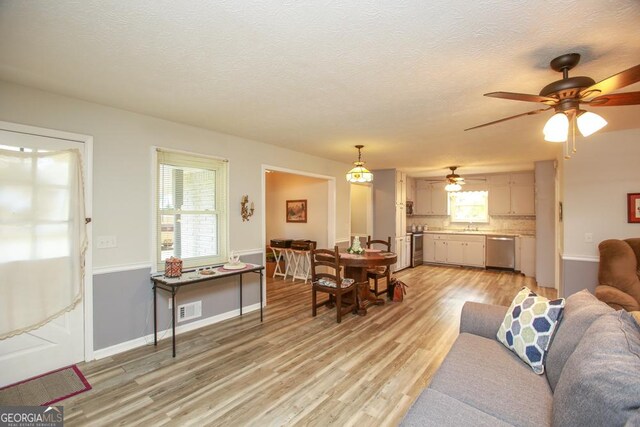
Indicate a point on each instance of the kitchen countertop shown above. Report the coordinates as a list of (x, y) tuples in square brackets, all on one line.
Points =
[(483, 232)]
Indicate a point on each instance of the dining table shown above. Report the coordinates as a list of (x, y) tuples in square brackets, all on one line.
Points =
[(356, 266)]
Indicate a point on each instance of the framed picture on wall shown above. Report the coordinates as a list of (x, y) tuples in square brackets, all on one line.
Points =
[(633, 207), (296, 211)]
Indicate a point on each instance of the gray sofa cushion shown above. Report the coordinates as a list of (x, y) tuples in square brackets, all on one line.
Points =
[(485, 375), (433, 408), (580, 311), (600, 383)]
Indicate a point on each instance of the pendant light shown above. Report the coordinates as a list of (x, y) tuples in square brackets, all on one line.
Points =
[(359, 173)]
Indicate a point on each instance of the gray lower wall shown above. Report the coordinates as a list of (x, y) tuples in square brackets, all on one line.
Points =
[(578, 275), (123, 302)]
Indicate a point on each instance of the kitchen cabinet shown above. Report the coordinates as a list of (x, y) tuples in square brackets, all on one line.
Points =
[(407, 251), (528, 256), (455, 252), (411, 189), (441, 251), (474, 253), (455, 249), (512, 194), (431, 199), (403, 252), (401, 201), (429, 248)]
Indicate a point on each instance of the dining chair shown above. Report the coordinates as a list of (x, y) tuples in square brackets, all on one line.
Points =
[(381, 272), (325, 277)]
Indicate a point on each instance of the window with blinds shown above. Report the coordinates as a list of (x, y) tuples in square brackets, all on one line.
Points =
[(191, 209)]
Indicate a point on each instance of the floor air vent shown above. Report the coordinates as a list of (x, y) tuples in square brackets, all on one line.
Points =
[(189, 311)]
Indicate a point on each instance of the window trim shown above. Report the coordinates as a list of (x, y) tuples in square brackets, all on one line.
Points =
[(452, 221), (156, 264)]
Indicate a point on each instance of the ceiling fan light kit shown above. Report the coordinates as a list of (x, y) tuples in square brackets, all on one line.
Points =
[(557, 128), (589, 123), (565, 96), (359, 174), (454, 181)]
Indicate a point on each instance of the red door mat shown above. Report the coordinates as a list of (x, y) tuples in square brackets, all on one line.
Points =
[(45, 389)]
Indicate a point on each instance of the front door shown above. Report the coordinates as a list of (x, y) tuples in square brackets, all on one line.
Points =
[(60, 342)]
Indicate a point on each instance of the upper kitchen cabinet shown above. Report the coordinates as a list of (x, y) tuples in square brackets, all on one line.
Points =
[(512, 194), (431, 198), (411, 189), (401, 188)]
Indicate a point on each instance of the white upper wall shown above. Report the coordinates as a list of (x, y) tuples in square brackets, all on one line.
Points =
[(596, 182), (122, 199)]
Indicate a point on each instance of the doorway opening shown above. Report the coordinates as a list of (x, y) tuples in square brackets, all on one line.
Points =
[(297, 206)]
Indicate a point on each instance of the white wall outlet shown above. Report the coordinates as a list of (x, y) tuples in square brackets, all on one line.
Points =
[(588, 237), (170, 303), (105, 242)]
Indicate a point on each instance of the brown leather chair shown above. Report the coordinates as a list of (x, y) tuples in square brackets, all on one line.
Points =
[(618, 274), (379, 272), (322, 281)]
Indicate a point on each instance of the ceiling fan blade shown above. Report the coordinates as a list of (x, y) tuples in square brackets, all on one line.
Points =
[(523, 97), (615, 99), (530, 113), (617, 81)]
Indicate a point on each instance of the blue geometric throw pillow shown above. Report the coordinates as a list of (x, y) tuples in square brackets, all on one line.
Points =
[(529, 325)]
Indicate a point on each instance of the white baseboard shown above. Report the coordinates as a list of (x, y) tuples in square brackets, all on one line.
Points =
[(144, 340)]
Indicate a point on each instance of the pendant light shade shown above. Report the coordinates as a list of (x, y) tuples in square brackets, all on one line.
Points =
[(557, 128), (359, 173), (589, 123)]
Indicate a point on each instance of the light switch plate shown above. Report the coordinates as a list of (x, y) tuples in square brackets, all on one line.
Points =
[(105, 242)]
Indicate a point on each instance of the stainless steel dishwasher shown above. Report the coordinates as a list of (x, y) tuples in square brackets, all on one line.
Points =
[(501, 252)]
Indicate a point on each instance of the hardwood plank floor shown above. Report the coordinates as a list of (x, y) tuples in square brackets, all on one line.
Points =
[(294, 369)]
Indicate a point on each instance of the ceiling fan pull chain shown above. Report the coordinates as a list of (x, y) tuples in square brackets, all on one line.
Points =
[(573, 132)]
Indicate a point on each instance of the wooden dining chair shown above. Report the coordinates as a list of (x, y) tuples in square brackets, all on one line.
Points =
[(325, 277), (381, 272)]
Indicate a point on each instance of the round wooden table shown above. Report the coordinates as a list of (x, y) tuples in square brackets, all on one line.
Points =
[(356, 266)]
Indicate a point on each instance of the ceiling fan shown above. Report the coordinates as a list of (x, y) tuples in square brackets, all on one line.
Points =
[(568, 95), (453, 180)]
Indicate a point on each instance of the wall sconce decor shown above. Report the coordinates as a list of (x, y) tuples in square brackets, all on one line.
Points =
[(245, 210)]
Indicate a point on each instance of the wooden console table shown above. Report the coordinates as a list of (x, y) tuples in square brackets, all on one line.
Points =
[(190, 277)]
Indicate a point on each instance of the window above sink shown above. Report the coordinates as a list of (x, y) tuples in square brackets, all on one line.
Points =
[(469, 206)]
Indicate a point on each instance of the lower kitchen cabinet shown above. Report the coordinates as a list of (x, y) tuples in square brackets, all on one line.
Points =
[(455, 249), (403, 252)]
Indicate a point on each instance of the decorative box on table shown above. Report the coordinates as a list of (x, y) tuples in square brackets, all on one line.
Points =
[(173, 267)]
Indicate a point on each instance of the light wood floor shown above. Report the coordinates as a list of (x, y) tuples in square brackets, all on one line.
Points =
[(294, 369)]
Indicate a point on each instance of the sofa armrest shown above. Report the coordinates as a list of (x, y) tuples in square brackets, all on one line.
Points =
[(482, 319), (616, 298)]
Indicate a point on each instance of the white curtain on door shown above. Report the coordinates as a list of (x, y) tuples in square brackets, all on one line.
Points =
[(42, 237)]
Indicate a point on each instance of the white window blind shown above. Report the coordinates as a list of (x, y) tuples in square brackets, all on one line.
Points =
[(469, 206), (191, 209)]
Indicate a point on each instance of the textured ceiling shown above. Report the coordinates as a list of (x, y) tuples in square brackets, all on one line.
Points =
[(404, 78)]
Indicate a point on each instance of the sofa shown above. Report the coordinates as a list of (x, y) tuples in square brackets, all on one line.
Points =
[(592, 373), (618, 273)]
